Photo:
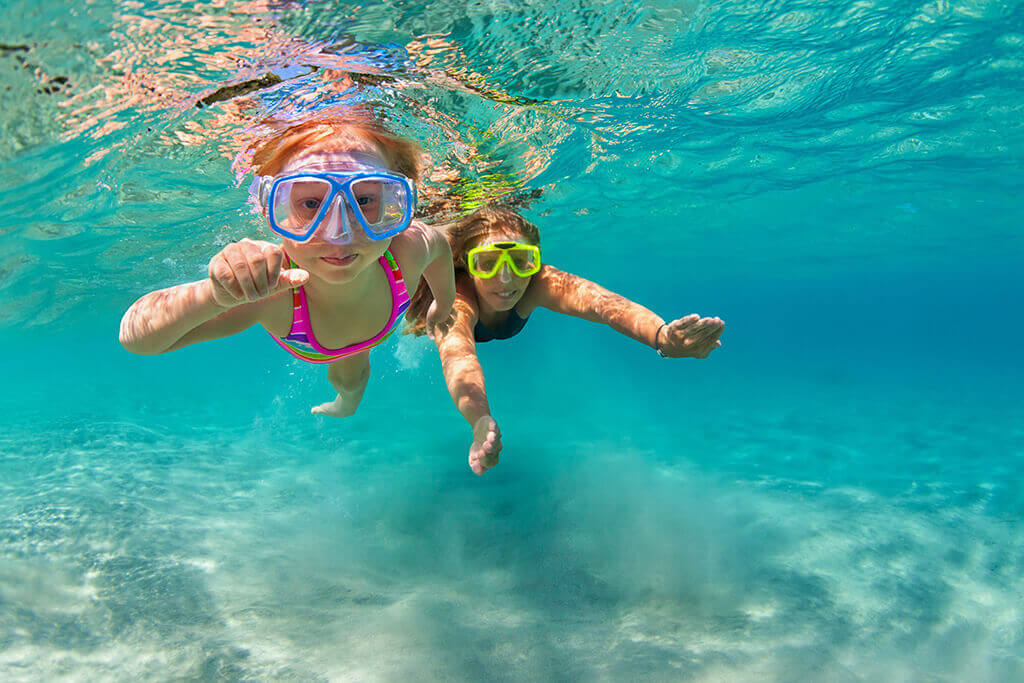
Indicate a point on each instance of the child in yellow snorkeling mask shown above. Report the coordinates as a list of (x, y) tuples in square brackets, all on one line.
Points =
[(500, 281)]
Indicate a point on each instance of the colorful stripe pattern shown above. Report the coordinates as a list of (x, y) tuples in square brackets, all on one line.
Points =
[(300, 341)]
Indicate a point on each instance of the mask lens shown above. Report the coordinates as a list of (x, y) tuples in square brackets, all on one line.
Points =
[(383, 203), (298, 202), (486, 262), (523, 260)]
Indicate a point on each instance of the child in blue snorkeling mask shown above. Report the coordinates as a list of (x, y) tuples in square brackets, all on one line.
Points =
[(501, 280), (341, 196)]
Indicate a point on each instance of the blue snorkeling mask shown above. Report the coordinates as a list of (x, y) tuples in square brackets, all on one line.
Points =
[(299, 204)]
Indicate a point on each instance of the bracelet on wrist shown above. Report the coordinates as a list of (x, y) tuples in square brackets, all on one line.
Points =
[(657, 346)]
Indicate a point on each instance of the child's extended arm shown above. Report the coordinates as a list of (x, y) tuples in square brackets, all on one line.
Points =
[(242, 275), (440, 276), (691, 336), (465, 380)]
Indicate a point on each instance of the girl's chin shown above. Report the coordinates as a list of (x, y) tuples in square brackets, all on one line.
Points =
[(334, 274)]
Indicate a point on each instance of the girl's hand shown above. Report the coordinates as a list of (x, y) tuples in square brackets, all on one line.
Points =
[(438, 322), (690, 337), (483, 454), (250, 270)]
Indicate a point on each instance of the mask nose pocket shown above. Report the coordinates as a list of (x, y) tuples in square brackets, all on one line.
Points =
[(336, 226)]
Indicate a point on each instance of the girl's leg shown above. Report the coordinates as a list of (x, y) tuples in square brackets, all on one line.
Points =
[(349, 377)]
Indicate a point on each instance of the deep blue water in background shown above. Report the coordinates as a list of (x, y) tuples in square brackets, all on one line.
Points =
[(834, 495)]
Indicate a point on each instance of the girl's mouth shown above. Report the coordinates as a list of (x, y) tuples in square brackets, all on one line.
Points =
[(506, 295), (340, 260)]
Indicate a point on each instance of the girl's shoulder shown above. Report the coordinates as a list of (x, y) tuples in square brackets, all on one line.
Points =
[(412, 248), (275, 313), (414, 242), (545, 286)]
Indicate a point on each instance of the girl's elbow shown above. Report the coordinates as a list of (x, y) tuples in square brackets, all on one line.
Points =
[(134, 342), (137, 346)]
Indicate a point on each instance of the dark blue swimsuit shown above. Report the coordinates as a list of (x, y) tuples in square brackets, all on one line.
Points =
[(510, 328)]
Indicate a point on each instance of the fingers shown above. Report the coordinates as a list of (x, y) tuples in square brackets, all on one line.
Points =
[(249, 270), (483, 460), (293, 277), (708, 352), (484, 453), (708, 339), (683, 329), (693, 336), (229, 292), (249, 265), (445, 325), (707, 330), (279, 277), (475, 465), (268, 276), (438, 323), (684, 323), (704, 339)]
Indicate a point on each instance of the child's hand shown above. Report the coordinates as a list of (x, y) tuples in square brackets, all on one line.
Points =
[(438, 322), (483, 454), (691, 337), (250, 270)]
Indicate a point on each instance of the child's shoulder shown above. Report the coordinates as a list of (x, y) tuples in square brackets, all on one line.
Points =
[(274, 313), (413, 245)]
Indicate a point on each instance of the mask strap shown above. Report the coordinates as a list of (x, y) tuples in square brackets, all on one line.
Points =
[(259, 189)]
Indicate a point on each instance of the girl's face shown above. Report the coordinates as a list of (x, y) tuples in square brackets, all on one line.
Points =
[(504, 290), (336, 263)]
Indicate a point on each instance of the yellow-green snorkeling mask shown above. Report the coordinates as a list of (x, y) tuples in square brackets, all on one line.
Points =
[(485, 262)]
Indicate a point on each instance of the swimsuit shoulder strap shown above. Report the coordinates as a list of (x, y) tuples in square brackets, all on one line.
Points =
[(399, 293), (300, 312)]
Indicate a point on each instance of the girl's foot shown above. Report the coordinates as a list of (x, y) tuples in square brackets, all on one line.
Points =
[(348, 376), (343, 406)]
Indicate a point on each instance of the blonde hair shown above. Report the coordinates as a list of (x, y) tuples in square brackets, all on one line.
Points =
[(272, 153), (461, 236)]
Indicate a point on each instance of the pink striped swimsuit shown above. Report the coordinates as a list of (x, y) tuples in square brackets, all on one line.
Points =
[(301, 342)]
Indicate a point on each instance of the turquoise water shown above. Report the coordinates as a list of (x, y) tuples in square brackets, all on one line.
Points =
[(835, 495)]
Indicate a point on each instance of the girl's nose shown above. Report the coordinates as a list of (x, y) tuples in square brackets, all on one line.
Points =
[(505, 276)]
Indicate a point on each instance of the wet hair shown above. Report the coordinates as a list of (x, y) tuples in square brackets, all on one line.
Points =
[(462, 236), (270, 154)]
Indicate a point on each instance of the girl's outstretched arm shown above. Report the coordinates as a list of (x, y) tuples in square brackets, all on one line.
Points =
[(465, 380), (691, 336), (436, 256), (242, 278)]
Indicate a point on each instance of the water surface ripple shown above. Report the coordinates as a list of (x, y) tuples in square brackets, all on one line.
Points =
[(127, 117)]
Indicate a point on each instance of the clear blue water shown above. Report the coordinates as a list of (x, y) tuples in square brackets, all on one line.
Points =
[(835, 495)]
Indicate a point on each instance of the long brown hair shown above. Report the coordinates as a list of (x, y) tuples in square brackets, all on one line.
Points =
[(461, 234)]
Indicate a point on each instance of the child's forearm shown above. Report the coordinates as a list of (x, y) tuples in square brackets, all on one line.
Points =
[(440, 275), (154, 323)]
